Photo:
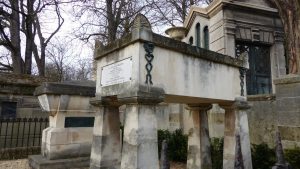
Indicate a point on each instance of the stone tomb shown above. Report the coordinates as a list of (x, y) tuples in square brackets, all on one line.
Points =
[(144, 69), (66, 143)]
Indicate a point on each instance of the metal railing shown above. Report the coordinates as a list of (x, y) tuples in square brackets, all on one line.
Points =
[(21, 137)]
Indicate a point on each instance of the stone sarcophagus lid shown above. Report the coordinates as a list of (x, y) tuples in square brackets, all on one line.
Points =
[(71, 120)]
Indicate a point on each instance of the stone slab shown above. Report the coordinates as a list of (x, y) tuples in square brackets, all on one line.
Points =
[(82, 88), (39, 162)]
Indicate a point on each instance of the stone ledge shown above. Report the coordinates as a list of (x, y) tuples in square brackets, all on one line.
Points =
[(290, 78), (261, 97), (21, 79), (82, 88), (39, 162)]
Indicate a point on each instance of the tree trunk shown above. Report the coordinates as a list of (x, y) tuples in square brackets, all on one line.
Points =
[(29, 36), (18, 63), (289, 12)]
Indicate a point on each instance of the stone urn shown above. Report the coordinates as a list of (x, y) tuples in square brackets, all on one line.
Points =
[(177, 33)]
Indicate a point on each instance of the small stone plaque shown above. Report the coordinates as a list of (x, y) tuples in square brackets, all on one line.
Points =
[(79, 122), (116, 73)]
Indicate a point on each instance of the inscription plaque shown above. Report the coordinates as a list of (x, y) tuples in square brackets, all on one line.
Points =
[(79, 122), (116, 73)]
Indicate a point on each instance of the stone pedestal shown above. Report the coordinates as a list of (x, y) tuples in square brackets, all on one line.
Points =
[(199, 152), (106, 140), (288, 109), (69, 136), (236, 123), (140, 149)]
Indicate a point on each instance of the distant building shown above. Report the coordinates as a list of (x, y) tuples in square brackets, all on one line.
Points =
[(250, 29)]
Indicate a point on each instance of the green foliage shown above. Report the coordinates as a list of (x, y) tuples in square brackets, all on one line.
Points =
[(217, 152), (293, 157), (262, 156), (177, 144)]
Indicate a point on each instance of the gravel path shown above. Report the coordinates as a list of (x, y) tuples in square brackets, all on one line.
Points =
[(23, 164), (14, 164)]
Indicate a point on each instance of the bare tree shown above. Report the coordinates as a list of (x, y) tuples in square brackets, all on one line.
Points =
[(5, 62), (64, 63), (21, 17), (172, 12), (289, 11), (59, 54), (106, 19)]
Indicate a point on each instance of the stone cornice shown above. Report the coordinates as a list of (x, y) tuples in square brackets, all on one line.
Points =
[(217, 5), (82, 88)]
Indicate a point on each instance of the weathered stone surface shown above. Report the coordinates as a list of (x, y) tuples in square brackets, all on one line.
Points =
[(106, 141), (164, 160), (199, 152), (39, 162), (288, 109), (140, 149), (236, 122)]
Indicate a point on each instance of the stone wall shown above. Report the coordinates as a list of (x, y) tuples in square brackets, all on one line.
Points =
[(288, 109), (19, 89), (262, 119)]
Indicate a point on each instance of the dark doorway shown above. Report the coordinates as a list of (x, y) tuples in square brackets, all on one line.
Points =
[(258, 77)]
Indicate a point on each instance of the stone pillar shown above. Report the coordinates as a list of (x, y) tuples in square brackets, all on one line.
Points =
[(236, 123), (199, 153), (106, 143), (140, 149)]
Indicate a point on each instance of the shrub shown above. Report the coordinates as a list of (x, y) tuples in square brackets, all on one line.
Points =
[(262, 156), (293, 157), (217, 152), (177, 144)]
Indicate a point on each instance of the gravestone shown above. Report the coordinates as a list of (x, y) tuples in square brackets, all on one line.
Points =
[(66, 143)]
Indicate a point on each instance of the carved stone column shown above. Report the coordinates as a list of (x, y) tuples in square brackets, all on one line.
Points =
[(140, 149), (199, 153), (236, 123), (106, 140)]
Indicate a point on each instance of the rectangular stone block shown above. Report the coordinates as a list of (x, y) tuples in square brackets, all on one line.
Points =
[(63, 151), (85, 149), (288, 118), (288, 90), (291, 133), (80, 135), (288, 104), (39, 162)]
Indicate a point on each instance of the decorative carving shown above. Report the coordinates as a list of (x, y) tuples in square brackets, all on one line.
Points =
[(149, 57), (140, 21), (242, 78)]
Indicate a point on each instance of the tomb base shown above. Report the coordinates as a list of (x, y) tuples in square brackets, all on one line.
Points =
[(40, 162)]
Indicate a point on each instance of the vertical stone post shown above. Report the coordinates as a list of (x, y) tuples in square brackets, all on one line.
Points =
[(236, 123), (106, 138), (140, 150), (199, 152)]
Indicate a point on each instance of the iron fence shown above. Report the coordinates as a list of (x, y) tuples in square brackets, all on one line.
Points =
[(20, 137)]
